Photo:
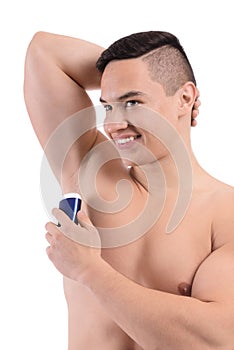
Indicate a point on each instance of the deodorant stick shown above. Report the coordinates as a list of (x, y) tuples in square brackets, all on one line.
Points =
[(71, 204)]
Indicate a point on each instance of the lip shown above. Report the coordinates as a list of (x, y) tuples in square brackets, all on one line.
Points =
[(128, 144)]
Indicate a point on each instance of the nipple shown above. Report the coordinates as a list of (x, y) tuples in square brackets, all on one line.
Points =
[(184, 289)]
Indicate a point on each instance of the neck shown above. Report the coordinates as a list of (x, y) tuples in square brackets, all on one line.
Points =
[(168, 171)]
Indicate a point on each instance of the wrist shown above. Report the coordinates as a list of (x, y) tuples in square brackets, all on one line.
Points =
[(94, 273)]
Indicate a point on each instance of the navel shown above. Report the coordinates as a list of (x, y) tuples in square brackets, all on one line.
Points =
[(184, 289)]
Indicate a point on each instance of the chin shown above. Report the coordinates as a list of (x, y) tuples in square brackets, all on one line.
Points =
[(128, 164)]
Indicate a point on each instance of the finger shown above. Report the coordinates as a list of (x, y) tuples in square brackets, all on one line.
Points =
[(198, 94), (53, 239), (84, 220), (197, 104), (62, 218), (49, 252), (51, 227), (194, 122), (49, 237), (195, 113)]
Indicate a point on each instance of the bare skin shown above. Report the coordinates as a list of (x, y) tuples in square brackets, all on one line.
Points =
[(162, 291)]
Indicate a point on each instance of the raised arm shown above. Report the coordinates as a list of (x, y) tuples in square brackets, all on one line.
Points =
[(58, 71)]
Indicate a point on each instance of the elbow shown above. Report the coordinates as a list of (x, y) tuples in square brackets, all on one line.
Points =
[(38, 43), (36, 49), (40, 37), (37, 55)]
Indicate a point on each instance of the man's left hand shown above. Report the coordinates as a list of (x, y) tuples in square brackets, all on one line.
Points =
[(73, 248)]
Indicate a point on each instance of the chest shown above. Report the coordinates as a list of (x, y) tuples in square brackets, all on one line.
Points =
[(166, 262)]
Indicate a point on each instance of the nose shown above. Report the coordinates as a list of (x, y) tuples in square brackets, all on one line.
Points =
[(114, 122), (112, 127)]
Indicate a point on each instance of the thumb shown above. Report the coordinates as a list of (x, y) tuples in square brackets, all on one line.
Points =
[(84, 220), (90, 236)]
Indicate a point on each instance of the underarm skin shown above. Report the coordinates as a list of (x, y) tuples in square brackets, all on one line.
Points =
[(158, 320)]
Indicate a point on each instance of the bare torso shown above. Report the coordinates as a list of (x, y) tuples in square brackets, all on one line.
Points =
[(166, 262)]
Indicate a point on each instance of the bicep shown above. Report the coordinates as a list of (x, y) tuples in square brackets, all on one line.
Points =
[(214, 279), (214, 285)]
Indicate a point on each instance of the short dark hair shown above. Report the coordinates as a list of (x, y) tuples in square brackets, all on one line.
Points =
[(167, 61)]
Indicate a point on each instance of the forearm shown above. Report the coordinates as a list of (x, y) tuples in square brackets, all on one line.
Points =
[(75, 57), (156, 320)]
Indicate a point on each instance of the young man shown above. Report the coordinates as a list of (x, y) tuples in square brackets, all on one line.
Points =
[(158, 288)]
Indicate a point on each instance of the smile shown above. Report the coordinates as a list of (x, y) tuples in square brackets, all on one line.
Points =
[(126, 140)]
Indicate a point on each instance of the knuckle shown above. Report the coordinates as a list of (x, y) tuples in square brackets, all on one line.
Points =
[(57, 237)]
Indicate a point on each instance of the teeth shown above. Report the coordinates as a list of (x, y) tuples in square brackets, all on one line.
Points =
[(127, 139)]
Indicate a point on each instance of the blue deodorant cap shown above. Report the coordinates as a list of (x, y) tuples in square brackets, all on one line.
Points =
[(71, 204)]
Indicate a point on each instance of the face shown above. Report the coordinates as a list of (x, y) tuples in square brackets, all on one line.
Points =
[(128, 92)]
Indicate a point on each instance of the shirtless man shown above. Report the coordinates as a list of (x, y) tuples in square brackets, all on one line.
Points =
[(160, 291)]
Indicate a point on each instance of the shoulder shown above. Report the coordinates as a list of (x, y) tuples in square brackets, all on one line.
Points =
[(223, 197), (223, 215)]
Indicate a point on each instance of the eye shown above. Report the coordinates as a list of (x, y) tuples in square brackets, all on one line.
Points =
[(108, 108), (132, 103)]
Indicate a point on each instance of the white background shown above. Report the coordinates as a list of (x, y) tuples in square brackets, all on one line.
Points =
[(32, 307)]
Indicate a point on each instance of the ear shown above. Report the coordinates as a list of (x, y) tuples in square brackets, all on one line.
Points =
[(187, 96)]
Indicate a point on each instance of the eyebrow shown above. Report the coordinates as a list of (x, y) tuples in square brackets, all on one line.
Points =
[(125, 96)]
